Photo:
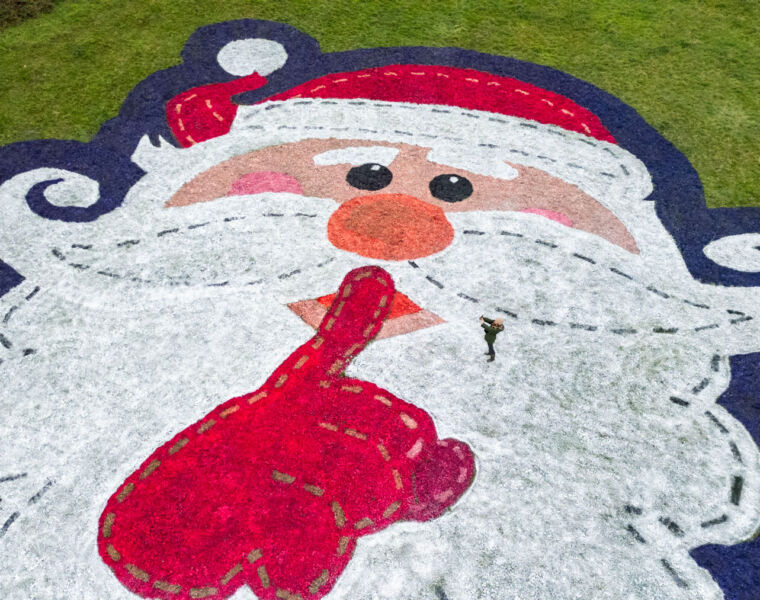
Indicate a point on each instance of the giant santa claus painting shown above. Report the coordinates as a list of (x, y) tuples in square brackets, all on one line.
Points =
[(241, 351)]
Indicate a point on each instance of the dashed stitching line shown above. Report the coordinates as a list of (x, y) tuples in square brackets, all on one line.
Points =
[(178, 110), (722, 428), (315, 585), (543, 322), (436, 283), (180, 280), (617, 330), (743, 317), (717, 521), (551, 130), (286, 275), (131, 242), (4, 341), (337, 510), (8, 522), (735, 451), (715, 367), (488, 83), (672, 572), (466, 297), (737, 481), (635, 533), (213, 112), (37, 496), (737, 484), (582, 257), (672, 527), (9, 313)]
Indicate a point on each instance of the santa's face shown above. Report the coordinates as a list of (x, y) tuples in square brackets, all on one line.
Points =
[(395, 187), (596, 434), (264, 213), (274, 216)]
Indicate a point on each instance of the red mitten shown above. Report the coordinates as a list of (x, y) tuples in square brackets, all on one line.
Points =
[(272, 489)]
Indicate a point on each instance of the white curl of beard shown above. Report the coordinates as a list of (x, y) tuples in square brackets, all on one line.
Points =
[(569, 426), (537, 268)]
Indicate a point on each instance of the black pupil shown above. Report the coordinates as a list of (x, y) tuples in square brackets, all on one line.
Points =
[(369, 176), (450, 187)]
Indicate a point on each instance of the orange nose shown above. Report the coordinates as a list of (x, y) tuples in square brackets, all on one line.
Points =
[(389, 227)]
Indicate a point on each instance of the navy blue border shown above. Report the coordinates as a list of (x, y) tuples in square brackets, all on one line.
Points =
[(678, 194)]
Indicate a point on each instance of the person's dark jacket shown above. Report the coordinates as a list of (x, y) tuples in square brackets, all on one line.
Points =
[(491, 330)]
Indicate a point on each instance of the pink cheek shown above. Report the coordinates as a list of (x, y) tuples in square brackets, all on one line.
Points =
[(265, 181), (550, 214)]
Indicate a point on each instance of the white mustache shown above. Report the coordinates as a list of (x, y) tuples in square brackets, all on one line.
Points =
[(522, 267), (221, 237), (525, 267)]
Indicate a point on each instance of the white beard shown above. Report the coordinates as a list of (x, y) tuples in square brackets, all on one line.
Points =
[(570, 425)]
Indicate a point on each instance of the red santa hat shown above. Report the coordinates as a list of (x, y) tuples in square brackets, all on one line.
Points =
[(206, 112)]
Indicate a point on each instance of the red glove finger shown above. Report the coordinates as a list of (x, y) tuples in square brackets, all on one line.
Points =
[(272, 489)]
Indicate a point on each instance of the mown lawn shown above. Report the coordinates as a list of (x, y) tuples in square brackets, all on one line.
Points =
[(690, 68)]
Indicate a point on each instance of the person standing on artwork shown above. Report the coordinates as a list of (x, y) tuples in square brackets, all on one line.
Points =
[(492, 327)]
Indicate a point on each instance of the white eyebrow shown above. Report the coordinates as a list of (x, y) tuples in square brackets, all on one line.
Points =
[(357, 155), (479, 164)]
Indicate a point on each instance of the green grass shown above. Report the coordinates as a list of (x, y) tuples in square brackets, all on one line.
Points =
[(690, 68)]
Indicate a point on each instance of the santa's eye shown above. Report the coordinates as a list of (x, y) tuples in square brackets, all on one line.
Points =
[(450, 188), (369, 176)]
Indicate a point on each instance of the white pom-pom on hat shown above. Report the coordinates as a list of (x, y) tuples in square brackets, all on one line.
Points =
[(252, 55)]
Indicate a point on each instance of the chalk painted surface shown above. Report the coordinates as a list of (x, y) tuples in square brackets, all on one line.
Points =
[(167, 285)]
